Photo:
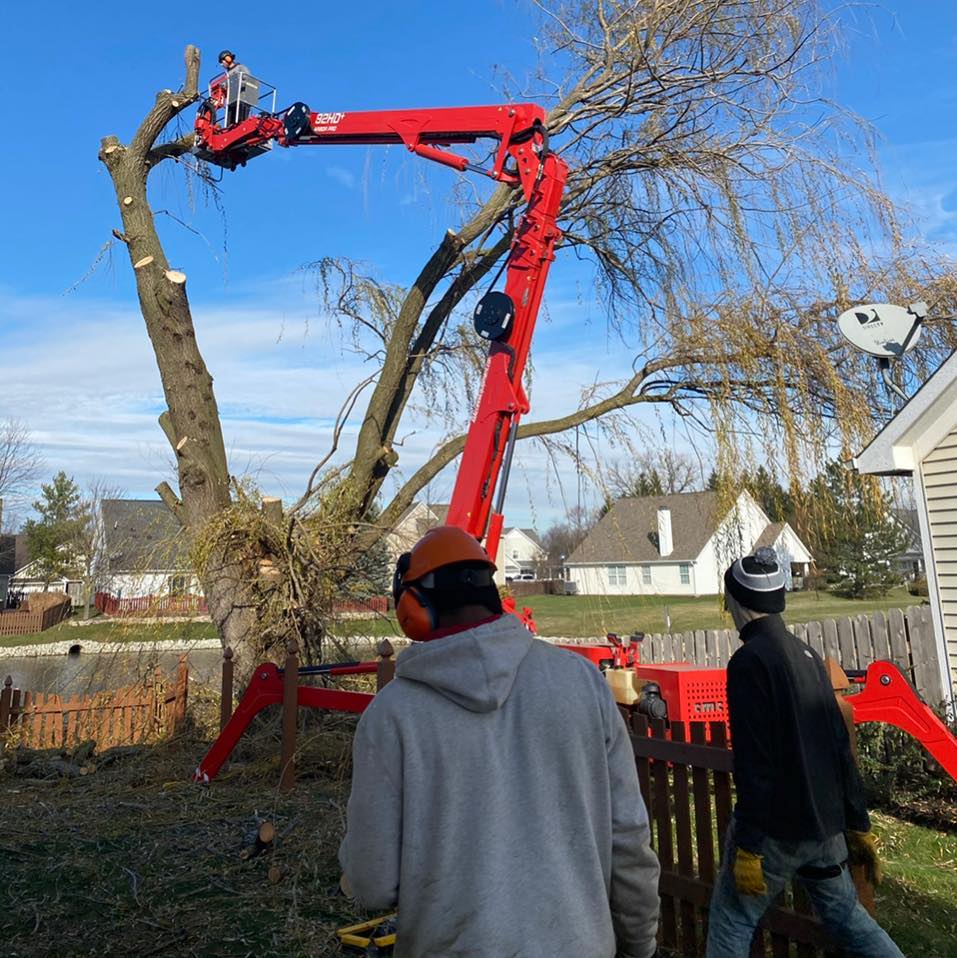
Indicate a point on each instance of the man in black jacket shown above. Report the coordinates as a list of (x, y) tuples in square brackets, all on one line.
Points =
[(800, 803)]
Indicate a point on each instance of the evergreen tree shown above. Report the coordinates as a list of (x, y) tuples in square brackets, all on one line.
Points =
[(51, 538), (858, 536)]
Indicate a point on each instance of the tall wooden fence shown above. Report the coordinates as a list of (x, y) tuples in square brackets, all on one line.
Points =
[(124, 716), (905, 637), (685, 777), (26, 622)]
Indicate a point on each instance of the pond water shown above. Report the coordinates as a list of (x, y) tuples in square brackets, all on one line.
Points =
[(91, 672)]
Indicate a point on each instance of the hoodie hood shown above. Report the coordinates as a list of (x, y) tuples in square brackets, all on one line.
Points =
[(476, 668)]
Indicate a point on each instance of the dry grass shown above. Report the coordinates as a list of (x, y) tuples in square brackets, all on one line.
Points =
[(135, 860)]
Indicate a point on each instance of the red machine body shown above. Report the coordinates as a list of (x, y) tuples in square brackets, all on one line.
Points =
[(692, 693)]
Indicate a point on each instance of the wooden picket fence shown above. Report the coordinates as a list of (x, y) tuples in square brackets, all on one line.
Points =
[(126, 716), (905, 637), (26, 622), (685, 776)]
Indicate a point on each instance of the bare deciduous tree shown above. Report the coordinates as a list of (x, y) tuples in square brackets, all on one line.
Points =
[(729, 211), (661, 471), (20, 465), (88, 539)]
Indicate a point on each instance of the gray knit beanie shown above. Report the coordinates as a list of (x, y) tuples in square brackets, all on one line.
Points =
[(757, 581)]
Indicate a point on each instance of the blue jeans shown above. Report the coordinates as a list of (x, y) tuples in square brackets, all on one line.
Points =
[(733, 917)]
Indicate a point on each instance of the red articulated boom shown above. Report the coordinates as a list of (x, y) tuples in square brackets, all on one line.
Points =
[(523, 159)]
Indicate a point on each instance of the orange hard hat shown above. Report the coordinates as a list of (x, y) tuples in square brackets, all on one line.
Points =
[(441, 546)]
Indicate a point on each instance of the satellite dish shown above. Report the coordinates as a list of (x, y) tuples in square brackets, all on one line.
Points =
[(882, 329)]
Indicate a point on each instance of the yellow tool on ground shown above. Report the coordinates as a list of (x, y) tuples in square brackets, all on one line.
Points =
[(378, 933)]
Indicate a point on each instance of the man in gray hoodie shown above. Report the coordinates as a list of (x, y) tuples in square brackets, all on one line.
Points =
[(494, 792)]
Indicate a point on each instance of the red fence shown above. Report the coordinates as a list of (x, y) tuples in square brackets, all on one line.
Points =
[(124, 716), (374, 605), (151, 605)]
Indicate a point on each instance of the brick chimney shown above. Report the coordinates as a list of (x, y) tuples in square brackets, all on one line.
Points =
[(665, 541)]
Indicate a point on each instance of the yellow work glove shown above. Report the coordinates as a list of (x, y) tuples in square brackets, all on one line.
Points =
[(748, 874), (862, 850)]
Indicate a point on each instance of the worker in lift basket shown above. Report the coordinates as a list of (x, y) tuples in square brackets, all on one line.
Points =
[(494, 792), (800, 805), (236, 74)]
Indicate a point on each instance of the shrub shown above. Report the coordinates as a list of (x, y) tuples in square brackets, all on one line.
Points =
[(901, 777), (918, 586)]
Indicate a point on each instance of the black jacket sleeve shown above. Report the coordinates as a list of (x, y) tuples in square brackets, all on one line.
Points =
[(752, 738), (855, 806)]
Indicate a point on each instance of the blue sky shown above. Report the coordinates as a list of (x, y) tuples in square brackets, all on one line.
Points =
[(76, 366)]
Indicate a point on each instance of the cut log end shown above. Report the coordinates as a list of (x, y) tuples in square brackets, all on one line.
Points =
[(267, 832), (275, 874), (176, 277), (182, 443), (145, 261), (127, 200)]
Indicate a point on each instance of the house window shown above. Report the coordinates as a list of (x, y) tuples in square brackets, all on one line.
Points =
[(646, 575), (616, 575), (684, 570), (514, 553), (178, 584)]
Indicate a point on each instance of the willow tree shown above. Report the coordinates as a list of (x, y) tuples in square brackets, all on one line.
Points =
[(729, 212)]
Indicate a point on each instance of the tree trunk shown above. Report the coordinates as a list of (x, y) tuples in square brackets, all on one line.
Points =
[(191, 422)]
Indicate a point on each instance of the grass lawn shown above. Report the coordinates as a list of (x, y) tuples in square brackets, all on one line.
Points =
[(917, 903), (591, 616), (113, 630)]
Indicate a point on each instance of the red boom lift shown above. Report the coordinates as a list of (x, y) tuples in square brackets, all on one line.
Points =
[(521, 158)]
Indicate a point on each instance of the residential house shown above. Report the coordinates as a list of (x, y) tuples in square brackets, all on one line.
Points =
[(412, 525), (909, 564), (27, 578), (521, 553), (142, 550), (920, 442), (676, 544)]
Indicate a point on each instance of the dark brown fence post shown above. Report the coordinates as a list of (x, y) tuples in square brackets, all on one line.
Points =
[(226, 692), (290, 716), (180, 691), (385, 671)]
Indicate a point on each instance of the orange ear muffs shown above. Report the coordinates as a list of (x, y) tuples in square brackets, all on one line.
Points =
[(415, 613)]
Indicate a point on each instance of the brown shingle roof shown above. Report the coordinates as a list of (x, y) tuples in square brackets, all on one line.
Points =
[(771, 531), (628, 532)]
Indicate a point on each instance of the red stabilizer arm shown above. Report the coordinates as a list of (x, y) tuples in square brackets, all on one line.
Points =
[(889, 697), (265, 688)]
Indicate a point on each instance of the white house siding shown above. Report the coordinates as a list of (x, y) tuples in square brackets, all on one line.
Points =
[(135, 585), (595, 579), (733, 538), (939, 481)]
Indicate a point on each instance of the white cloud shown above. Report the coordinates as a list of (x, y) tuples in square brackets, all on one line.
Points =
[(82, 375)]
